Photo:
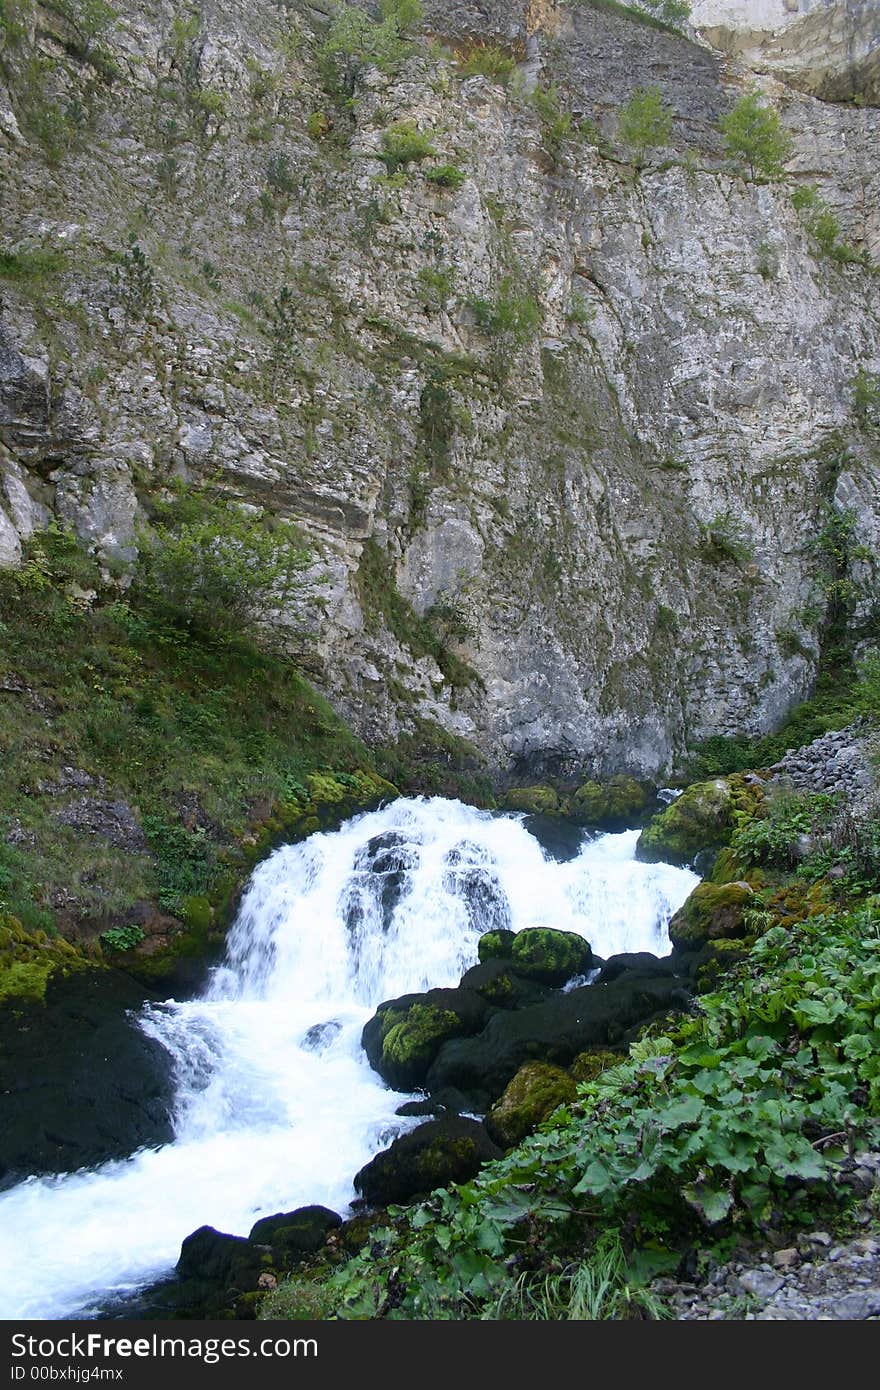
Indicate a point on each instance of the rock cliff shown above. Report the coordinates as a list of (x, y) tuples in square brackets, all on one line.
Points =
[(568, 422)]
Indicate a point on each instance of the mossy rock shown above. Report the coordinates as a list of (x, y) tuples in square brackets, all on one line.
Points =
[(611, 805), (712, 911), (715, 960), (535, 801), (549, 956), (798, 900), (499, 984), (404, 1036), (534, 1093), (699, 819), (294, 1235), (495, 945), (434, 1155), (588, 1065), (29, 960)]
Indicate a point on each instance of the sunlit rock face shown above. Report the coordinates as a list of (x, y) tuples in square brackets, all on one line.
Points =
[(564, 435), (829, 48)]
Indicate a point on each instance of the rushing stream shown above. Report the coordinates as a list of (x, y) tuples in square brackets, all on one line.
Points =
[(276, 1104)]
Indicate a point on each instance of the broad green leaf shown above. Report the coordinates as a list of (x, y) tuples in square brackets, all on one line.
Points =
[(713, 1203), (684, 1112)]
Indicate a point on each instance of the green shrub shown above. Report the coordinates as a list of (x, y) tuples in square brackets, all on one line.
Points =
[(513, 315), (724, 538), (487, 60), (865, 397), (557, 124), (645, 123), (404, 144), (754, 137), (445, 176), (209, 567), (122, 938), (824, 226), (356, 42)]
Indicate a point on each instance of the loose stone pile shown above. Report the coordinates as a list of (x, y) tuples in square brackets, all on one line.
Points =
[(836, 762), (814, 1278)]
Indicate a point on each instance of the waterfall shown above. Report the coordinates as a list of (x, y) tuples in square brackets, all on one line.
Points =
[(276, 1106)]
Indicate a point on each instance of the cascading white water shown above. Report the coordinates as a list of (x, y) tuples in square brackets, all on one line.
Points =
[(276, 1104)]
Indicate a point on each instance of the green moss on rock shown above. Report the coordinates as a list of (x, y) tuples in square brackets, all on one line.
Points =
[(552, 957), (495, 945), (535, 801), (534, 1093), (588, 1065), (611, 805), (28, 960), (700, 819), (711, 912)]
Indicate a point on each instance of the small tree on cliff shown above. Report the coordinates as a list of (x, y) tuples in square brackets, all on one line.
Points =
[(210, 568), (645, 122), (753, 136)]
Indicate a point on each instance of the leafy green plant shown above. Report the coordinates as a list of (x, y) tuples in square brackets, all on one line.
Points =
[(122, 939), (445, 176), (645, 122), (754, 137), (487, 60), (598, 1289), (135, 281), (866, 397), (511, 315), (724, 1121), (186, 860), (557, 124), (404, 144), (211, 567), (280, 176), (356, 42), (724, 538)]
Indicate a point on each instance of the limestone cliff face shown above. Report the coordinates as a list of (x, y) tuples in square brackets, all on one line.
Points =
[(577, 425), (829, 48)]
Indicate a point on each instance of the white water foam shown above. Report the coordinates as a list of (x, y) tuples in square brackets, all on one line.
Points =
[(276, 1104)]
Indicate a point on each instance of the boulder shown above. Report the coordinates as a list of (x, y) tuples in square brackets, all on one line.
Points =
[(639, 962), (699, 819), (712, 911), (549, 956), (501, 986), (495, 945), (295, 1234), (554, 1031), (212, 1257), (612, 805), (404, 1035), (534, 1093), (533, 800), (434, 1155)]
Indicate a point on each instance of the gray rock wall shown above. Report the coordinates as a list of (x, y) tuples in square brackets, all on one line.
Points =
[(608, 513)]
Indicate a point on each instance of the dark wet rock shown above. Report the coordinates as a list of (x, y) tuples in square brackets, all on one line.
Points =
[(501, 986), (293, 1235), (445, 1102), (80, 1083), (404, 1035), (434, 1155), (321, 1035), (554, 1031), (642, 962), (534, 1093)]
